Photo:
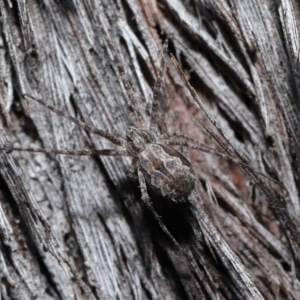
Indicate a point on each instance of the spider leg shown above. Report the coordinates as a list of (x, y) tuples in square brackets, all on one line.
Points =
[(222, 144), (118, 134), (157, 86), (208, 115), (137, 117), (189, 142), (85, 152), (186, 141), (112, 138)]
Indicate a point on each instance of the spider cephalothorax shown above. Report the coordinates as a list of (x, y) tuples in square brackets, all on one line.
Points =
[(138, 139)]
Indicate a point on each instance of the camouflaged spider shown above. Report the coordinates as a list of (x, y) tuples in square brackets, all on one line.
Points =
[(163, 168)]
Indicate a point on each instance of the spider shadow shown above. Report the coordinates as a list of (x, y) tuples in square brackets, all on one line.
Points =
[(176, 216)]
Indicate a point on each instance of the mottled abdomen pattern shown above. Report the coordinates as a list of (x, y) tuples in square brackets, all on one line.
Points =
[(167, 171)]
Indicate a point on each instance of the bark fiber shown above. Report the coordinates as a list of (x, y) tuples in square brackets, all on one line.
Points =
[(75, 227)]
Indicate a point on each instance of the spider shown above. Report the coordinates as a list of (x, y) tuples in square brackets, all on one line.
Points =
[(154, 160)]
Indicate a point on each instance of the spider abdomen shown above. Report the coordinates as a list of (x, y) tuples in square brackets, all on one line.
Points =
[(167, 171)]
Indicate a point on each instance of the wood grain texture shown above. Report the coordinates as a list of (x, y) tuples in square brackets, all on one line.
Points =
[(75, 227)]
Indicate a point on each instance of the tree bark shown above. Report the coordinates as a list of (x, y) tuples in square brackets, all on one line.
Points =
[(75, 227)]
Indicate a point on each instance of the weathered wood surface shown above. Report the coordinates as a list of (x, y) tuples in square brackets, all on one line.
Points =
[(76, 226)]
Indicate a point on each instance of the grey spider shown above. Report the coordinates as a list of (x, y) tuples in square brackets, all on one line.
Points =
[(156, 163)]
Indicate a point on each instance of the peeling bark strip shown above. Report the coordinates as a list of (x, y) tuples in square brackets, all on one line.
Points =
[(76, 226)]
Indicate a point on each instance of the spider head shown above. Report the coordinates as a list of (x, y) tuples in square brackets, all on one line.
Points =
[(137, 139)]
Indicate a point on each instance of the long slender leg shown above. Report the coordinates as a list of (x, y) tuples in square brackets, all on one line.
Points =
[(168, 114), (138, 118), (167, 136), (112, 138), (189, 142), (220, 142), (157, 86), (207, 113), (85, 152)]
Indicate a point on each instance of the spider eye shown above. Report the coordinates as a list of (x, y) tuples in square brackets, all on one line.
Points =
[(131, 130)]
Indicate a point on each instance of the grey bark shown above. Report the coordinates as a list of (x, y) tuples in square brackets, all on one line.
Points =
[(75, 227)]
